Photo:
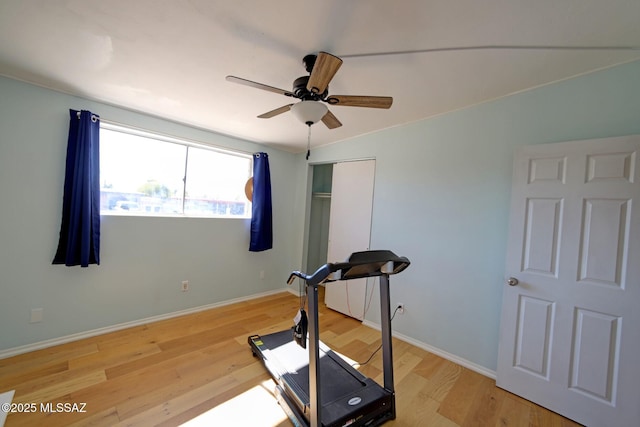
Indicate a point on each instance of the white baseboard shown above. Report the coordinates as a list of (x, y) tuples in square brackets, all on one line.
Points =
[(92, 333), (87, 334), (445, 355), (293, 291)]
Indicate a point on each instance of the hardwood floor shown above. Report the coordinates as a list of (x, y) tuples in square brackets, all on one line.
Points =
[(198, 369)]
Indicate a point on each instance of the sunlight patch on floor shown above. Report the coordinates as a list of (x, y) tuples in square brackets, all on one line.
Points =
[(349, 360), (255, 407)]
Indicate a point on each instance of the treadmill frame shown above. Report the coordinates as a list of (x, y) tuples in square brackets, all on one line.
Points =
[(341, 271), (314, 352)]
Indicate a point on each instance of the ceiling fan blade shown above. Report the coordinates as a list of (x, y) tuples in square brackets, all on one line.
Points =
[(323, 71), (245, 82), (275, 112), (361, 101), (331, 121)]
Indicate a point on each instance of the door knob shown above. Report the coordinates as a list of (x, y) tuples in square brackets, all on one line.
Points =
[(512, 281)]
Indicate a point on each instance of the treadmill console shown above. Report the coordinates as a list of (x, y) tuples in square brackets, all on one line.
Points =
[(359, 265)]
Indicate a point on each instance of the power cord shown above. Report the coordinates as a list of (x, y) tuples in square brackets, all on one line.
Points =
[(378, 349), (302, 294)]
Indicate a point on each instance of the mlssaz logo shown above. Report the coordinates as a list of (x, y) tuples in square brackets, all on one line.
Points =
[(63, 407)]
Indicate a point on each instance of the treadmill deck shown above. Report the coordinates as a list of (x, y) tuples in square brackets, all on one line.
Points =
[(348, 397)]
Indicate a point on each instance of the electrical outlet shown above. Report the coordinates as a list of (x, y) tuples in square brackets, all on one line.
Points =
[(36, 315), (185, 286), (400, 308)]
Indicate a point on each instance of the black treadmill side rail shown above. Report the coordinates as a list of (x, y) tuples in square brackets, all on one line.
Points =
[(387, 348), (315, 407)]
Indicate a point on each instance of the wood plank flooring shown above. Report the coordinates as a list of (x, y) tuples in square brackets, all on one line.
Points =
[(198, 370)]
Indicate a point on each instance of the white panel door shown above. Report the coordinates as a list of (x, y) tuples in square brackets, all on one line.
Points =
[(570, 326), (349, 231)]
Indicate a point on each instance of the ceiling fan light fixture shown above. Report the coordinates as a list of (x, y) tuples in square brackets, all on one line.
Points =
[(309, 112)]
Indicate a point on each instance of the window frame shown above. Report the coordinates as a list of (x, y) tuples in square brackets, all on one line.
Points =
[(187, 143)]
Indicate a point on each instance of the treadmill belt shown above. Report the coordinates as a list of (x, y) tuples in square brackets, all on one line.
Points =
[(293, 365)]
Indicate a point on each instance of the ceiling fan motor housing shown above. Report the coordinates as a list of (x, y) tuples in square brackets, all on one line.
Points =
[(301, 92)]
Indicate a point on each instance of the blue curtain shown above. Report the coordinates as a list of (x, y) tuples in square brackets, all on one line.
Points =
[(261, 221), (79, 242)]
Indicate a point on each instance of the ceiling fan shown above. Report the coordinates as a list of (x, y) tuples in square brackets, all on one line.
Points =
[(313, 90), (313, 93)]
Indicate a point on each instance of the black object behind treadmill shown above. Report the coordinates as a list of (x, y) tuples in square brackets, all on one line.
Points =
[(300, 329)]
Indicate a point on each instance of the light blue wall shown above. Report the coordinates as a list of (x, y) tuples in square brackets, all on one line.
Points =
[(143, 260), (442, 191), (441, 198)]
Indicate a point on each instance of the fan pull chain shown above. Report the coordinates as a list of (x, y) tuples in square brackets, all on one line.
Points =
[(309, 142)]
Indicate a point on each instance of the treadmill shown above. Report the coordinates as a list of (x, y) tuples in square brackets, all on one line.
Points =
[(316, 387)]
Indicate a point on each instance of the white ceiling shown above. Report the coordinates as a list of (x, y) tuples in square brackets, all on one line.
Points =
[(170, 57)]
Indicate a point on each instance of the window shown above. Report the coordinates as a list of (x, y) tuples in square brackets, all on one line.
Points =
[(147, 174)]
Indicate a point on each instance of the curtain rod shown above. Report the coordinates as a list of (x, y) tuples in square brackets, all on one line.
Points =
[(95, 118)]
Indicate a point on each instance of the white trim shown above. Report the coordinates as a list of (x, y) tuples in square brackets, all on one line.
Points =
[(445, 355), (92, 333), (150, 134), (292, 290)]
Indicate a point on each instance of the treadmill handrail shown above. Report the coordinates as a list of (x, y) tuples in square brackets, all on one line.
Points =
[(360, 264)]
